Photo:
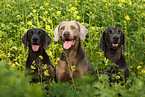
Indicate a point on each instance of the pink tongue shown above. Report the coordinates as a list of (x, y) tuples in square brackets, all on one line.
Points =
[(67, 44), (115, 44), (35, 47)]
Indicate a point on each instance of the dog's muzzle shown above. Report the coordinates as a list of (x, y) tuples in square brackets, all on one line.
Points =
[(67, 41), (115, 42)]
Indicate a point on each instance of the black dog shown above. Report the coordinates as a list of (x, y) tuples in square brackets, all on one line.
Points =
[(110, 43), (38, 41)]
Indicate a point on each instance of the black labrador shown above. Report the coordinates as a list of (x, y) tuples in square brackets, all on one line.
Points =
[(37, 41), (110, 43)]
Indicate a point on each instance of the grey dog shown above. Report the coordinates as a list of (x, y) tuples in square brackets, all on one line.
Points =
[(71, 33)]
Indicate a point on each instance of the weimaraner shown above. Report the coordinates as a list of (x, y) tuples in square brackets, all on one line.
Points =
[(71, 33)]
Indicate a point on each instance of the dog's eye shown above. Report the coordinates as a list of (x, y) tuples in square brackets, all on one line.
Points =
[(31, 33), (119, 32), (72, 27), (62, 28), (110, 32), (39, 32)]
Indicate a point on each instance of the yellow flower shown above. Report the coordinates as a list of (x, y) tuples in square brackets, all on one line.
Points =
[(45, 66), (139, 67), (46, 4), (104, 0), (41, 7), (143, 71), (46, 12), (48, 27), (118, 77), (58, 12), (122, 0), (70, 5), (125, 53), (29, 23), (33, 62), (107, 60), (73, 8), (76, 12), (109, 4), (127, 17), (13, 65), (0, 39), (142, 14), (140, 6), (18, 16), (78, 17), (9, 63), (8, 5), (34, 10), (120, 5), (33, 67), (93, 28), (15, 59), (41, 57), (73, 68), (77, 3), (46, 73), (61, 1)]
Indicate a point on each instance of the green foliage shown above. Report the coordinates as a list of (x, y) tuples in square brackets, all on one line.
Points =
[(17, 16), (14, 84)]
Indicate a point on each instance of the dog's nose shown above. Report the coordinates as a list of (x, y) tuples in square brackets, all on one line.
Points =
[(35, 38), (66, 34), (115, 38)]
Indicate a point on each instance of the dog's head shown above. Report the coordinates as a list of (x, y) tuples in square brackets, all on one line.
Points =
[(36, 38), (69, 32), (112, 37)]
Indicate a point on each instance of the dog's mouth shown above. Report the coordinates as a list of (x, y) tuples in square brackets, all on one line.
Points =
[(35, 47), (115, 45), (68, 43)]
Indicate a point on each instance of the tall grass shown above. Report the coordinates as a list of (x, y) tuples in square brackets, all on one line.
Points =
[(17, 16)]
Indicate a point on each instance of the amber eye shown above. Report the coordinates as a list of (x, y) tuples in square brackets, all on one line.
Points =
[(72, 27), (39, 32), (119, 32), (62, 28), (110, 32)]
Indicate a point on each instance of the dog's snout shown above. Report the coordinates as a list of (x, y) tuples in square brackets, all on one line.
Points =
[(35, 38), (66, 34), (116, 38)]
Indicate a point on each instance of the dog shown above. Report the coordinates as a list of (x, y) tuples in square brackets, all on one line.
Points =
[(37, 40), (110, 43), (71, 33)]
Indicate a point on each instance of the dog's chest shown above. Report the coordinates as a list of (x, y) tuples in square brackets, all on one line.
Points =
[(38, 61), (114, 57)]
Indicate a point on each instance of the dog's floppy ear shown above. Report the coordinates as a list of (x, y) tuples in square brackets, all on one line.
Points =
[(24, 39), (47, 40), (83, 31), (124, 43), (56, 33), (102, 44)]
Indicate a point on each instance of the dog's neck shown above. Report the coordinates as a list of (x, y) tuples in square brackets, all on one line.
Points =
[(76, 53), (113, 54)]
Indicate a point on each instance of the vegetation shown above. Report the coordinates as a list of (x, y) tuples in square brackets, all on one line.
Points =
[(17, 16)]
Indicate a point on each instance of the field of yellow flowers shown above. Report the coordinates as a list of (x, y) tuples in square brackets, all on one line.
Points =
[(17, 16)]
